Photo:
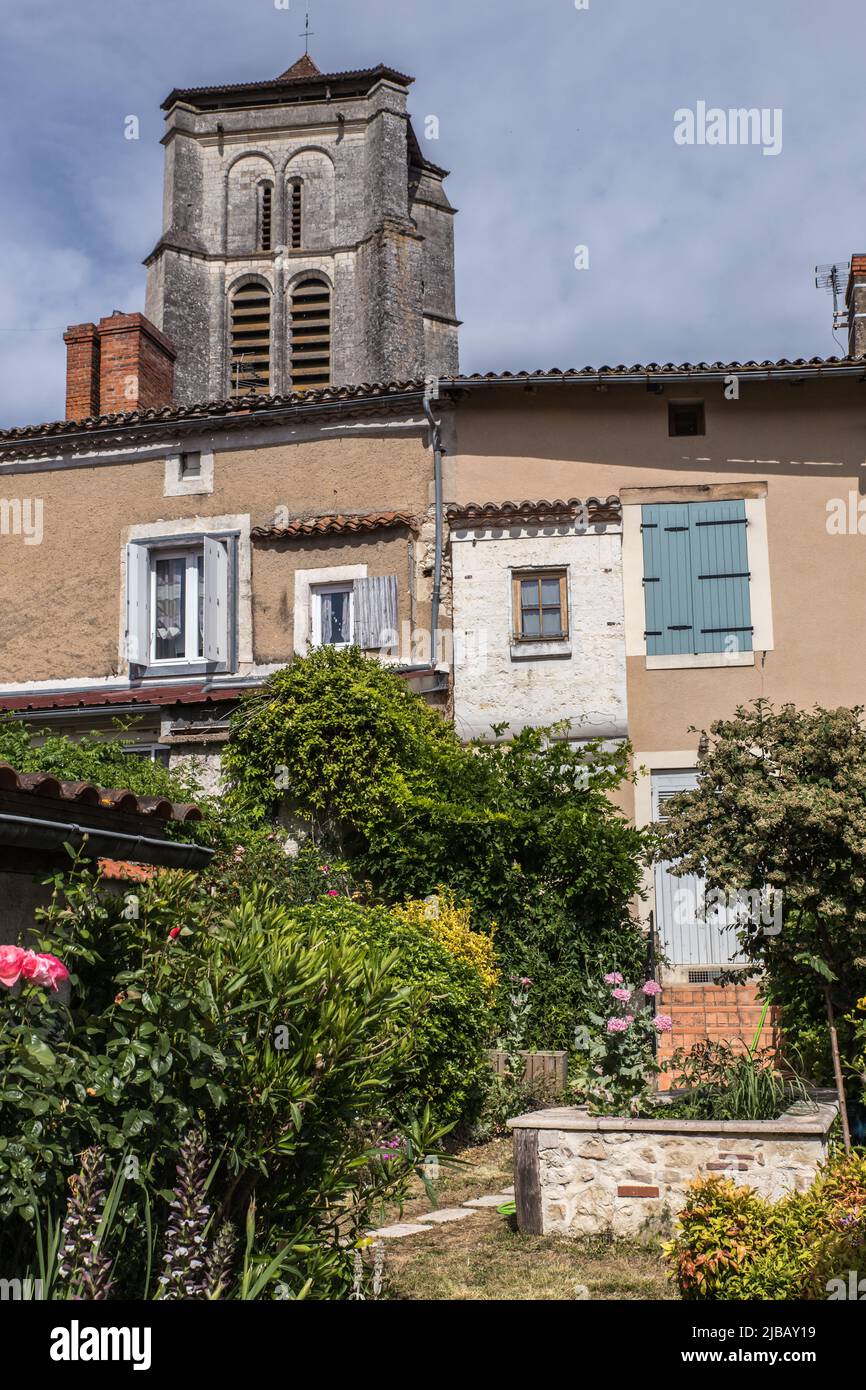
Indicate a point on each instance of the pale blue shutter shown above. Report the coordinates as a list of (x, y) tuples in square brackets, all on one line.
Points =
[(720, 577), (667, 579), (376, 613)]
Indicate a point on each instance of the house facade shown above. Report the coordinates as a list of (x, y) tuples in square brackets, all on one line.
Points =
[(625, 553)]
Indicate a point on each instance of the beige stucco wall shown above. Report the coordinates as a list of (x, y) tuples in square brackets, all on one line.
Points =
[(807, 442), (60, 601)]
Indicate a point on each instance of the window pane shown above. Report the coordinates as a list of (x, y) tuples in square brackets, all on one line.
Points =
[(550, 592), (529, 593), (552, 622), (531, 623), (170, 598), (336, 618)]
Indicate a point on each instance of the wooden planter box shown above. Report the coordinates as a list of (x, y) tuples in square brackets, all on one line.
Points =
[(548, 1068)]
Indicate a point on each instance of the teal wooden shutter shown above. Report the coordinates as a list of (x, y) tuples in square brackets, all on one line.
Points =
[(720, 577), (667, 579), (696, 578)]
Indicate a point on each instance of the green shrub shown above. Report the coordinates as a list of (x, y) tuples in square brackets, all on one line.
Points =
[(284, 1036), (525, 830), (732, 1244), (446, 1009)]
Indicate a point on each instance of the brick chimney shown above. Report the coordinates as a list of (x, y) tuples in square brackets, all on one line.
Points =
[(122, 363), (856, 302)]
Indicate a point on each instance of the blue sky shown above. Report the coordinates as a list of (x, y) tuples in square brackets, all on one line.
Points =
[(558, 125)]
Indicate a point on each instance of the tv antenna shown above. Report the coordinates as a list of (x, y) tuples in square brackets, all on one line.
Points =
[(833, 279)]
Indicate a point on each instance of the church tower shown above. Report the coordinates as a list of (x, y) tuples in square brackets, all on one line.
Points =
[(306, 240)]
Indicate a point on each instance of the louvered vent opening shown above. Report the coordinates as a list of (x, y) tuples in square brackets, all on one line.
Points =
[(311, 335), (295, 213), (266, 217), (251, 340)]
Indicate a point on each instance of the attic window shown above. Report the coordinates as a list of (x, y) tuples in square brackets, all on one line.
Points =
[(251, 339), (311, 335), (295, 214), (190, 465), (266, 202), (686, 418)]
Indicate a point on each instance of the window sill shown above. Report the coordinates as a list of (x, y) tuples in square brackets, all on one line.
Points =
[(700, 660), (171, 669), (540, 651)]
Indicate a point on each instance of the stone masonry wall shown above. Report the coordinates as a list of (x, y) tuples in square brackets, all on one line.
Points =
[(631, 1176)]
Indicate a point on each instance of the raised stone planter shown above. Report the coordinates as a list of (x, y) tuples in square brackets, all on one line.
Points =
[(577, 1174)]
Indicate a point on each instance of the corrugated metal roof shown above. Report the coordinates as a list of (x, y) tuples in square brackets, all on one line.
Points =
[(96, 698)]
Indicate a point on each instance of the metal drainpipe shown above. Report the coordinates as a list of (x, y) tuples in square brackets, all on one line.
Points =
[(436, 443)]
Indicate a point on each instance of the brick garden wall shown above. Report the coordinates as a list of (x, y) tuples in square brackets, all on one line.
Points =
[(726, 1014)]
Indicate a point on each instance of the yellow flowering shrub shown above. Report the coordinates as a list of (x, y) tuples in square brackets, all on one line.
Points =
[(450, 923)]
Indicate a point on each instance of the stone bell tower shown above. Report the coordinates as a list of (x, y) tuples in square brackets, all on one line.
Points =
[(307, 241)]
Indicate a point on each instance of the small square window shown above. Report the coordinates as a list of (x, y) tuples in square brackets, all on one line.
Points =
[(540, 606), (334, 615), (686, 418), (190, 465)]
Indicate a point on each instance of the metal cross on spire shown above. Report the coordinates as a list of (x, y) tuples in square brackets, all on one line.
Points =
[(308, 33)]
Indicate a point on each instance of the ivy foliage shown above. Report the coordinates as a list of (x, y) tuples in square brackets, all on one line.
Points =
[(524, 828), (781, 802)]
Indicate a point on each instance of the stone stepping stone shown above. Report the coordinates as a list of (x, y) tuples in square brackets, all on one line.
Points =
[(509, 1191), (441, 1218), (398, 1232), (496, 1200)]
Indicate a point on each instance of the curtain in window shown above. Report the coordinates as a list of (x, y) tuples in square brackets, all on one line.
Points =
[(170, 600), (336, 618)]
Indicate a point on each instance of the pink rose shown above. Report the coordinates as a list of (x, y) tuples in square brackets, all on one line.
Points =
[(652, 987), (32, 968), (614, 979), (332, 893), (664, 1023), (10, 965), (623, 995), (617, 1025), (54, 970)]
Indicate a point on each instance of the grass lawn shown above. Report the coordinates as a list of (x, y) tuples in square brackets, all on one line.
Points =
[(485, 1258)]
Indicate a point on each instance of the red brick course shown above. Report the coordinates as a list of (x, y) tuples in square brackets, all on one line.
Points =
[(124, 363)]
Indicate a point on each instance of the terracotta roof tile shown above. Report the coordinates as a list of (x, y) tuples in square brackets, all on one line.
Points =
[(597, 510), (43, 784), (334, 525)]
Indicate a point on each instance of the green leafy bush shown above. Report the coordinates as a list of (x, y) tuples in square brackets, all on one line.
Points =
[(446, 1009), (525, 830), (284, 1036), (732, 1244)]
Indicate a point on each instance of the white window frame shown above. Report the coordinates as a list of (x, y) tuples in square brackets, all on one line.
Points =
[(220, 640), (191, 555), (317, 592)]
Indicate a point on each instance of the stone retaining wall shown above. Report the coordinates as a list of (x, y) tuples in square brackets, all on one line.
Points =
[(582, 1175)]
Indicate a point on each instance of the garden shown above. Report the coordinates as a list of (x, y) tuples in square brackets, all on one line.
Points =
[(220, 1086)]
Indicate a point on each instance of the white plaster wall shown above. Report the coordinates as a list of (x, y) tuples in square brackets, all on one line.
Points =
[(583, 680)]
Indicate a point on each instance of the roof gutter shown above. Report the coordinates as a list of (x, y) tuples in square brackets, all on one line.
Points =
[(32, 832)]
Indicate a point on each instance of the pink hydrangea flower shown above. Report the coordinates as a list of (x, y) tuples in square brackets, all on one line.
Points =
[(623, 995), (617, 1025), (652, 987), (10, 965), (664, 1023), (614, 979)]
